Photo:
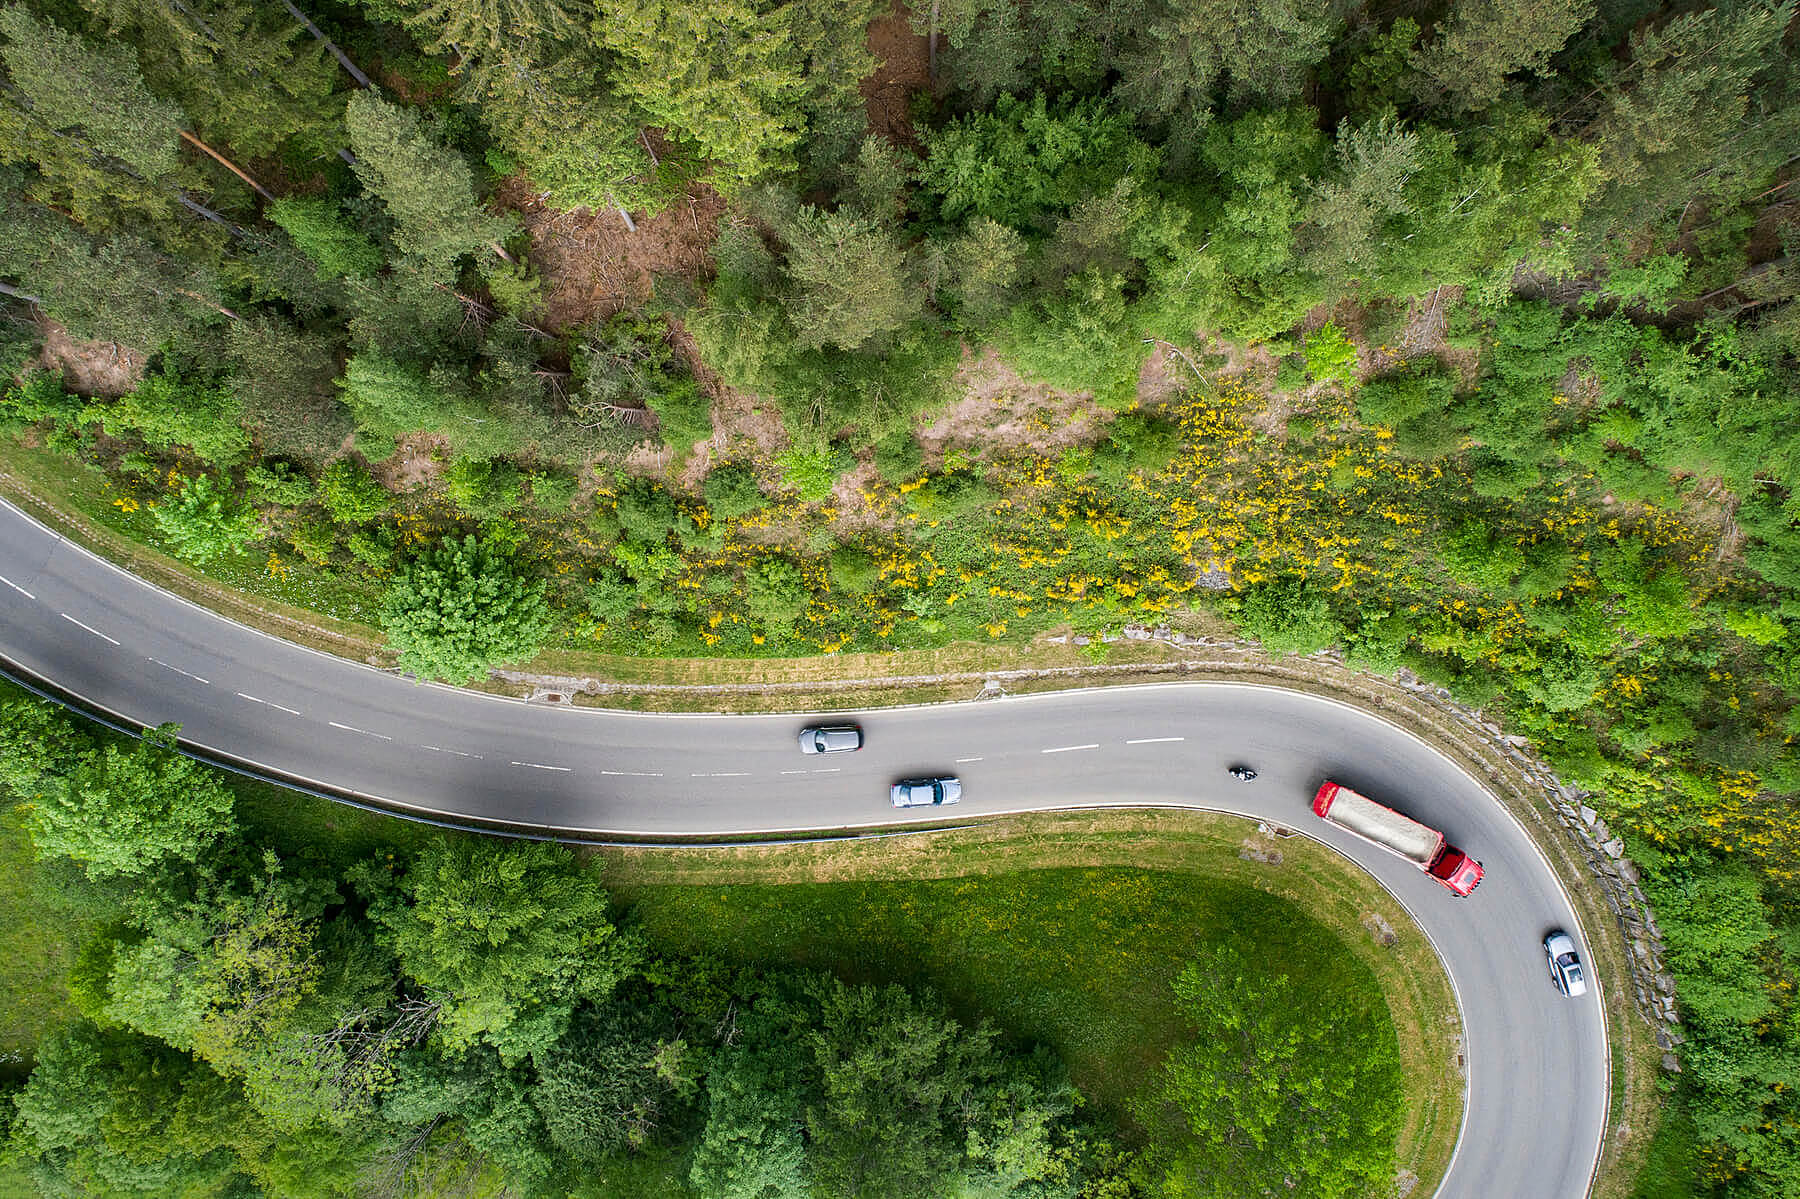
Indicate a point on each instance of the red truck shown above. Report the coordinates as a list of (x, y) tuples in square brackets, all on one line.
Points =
[(1423, 847)]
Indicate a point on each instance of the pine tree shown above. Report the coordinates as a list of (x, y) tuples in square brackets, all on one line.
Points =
[(722, 76), (429, 189), (1464, 68), (850, 276), (97, 91)]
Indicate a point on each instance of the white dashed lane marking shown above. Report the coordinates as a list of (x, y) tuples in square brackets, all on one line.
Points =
[(269, 703), (89, 628), (541, 766), (438, 749), (17, 588), (960, 761), (634, 774), (184, 674), (350, 728), (1154, 740), (723, 774), (1064, 749)]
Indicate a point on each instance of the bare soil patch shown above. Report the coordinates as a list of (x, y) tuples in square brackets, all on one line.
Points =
[(593, 266), (418, 461), (90, 368), (1002, 413), (905, 69), (740, 420)]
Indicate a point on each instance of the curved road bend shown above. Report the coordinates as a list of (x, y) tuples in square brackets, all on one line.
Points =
[(1537, 1063)]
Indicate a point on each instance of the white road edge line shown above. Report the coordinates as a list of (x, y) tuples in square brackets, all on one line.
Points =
[(17, 588), (1154, 740), (350, 728), (541, 766), (1063, 749), (89, 628), (180, 671)]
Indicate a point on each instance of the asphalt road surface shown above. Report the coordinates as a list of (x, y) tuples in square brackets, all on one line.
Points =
[(1536, 1062)]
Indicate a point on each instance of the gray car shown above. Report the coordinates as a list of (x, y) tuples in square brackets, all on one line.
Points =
[(830, 739), (1565, 964), (921, 793)]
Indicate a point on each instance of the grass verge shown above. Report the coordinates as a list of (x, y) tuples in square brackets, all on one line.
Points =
[(1068, 930)]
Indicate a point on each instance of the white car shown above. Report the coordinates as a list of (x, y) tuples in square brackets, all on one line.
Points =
[(920, 793), (1565, 964), (830, 739)]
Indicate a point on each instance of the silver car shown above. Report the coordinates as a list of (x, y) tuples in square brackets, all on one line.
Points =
[(830, 739), (1565, 964), (921, 793)]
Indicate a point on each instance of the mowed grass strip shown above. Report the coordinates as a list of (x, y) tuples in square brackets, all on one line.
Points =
[(1069, 929)]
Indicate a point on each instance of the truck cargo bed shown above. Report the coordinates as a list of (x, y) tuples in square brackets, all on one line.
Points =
[(1384, 826)]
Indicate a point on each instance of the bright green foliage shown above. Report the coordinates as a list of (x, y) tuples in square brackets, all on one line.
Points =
[(484, 488), (811, 473), (720, 76), (428, 189), (1465, 65), (171, 409), (40, 396), (458, 609), (123, 811), (38, 745), (95, 90), (514, 934), (325, 235), (732, 492), (204, 521), (388, 398), (350, 493), (493, 28), (1268, 1107), (1331, 356), (909, 1102), (1348, 212), (776, 595), (1027, 159)]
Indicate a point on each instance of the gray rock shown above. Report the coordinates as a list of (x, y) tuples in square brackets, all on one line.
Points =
[(1671, 1063), (1063, 639), (1082, 639), (1601, 832)]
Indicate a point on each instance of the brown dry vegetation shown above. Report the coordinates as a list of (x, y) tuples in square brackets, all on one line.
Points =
[(905, 69), (593, 266), (90, 368), (1001, 413)]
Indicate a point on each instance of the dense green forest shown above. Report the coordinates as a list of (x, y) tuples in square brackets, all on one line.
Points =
[(1460, 336)]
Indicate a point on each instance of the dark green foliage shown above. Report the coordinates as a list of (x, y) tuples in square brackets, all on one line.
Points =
[(428, 189), (95, 91), (732, 491), (598, 1088), (284, 381), (514, 936), (454, 611)]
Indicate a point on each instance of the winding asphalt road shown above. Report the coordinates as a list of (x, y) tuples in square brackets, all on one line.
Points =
[(1536, 1062)]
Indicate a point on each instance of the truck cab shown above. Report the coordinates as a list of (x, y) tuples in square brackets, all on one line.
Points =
[(1457, 871)]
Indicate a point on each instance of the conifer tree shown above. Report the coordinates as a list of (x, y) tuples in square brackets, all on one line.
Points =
[(429, 189), (1464, 68)]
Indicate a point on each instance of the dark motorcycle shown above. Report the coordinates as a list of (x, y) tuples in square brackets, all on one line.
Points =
[(1242, 774)]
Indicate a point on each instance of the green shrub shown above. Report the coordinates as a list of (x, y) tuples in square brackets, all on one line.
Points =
[(1288, 616), (813, 473), (1331, 356), (350, 493), (203, 521), (484, 488), (899, 457), (732, 492), (325, 235), (278, 484)]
